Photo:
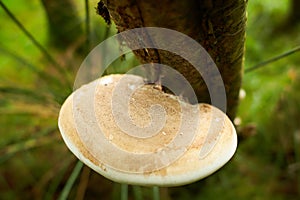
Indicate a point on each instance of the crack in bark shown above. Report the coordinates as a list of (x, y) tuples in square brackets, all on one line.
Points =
[(218, 25), (156, 68)]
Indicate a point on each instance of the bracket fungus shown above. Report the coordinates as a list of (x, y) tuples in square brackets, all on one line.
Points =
[(134, 133)]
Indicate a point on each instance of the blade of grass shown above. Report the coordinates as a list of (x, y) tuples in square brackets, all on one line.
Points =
[(66, 190), (87, 25), (83, 183), (46, 186), (137, 192), (19, 108), (28, 94), (156, 193), (124, 191), (264, 63), (46, 77), (43, 139), (55, 182), (33, 95), (18, 58), (36, 43)]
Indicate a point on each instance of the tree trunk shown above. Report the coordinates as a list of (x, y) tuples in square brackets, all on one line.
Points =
[(294, 12), (218, 25), (63, 22)]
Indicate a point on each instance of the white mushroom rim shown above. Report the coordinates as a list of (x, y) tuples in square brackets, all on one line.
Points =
[(167, 158)]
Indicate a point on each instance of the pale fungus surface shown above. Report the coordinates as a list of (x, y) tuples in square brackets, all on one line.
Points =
[(134, 133)]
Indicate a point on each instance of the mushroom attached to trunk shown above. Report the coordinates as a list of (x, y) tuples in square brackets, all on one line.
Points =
[(134, 133)]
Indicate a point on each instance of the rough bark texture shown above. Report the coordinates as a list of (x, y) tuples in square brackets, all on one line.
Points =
[(218, 25)]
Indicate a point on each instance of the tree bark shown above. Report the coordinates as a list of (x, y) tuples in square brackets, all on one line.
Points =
[(218, 25)]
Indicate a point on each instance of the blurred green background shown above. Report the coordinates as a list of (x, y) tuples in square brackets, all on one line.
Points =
[(35, 80)]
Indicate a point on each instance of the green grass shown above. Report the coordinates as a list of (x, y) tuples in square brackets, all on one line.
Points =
[(34, 162)]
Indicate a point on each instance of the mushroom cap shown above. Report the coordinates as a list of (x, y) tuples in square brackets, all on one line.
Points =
[(133, 133)]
